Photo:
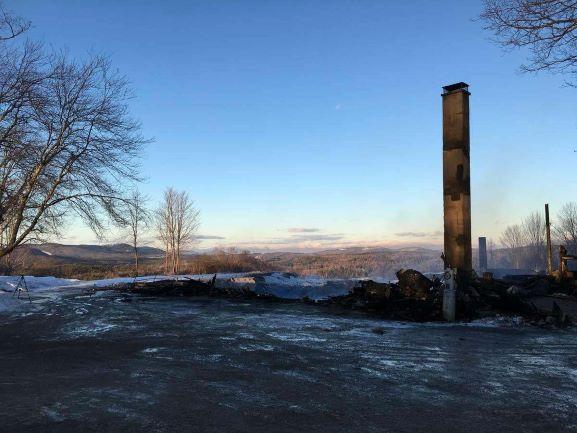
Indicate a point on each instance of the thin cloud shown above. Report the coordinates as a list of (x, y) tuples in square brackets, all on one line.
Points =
[(303, 230), (301, 239), (308, 238), (419, 234), (208, 237)]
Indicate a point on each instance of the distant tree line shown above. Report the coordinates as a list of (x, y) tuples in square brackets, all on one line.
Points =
[(219, 260), (525, 243)]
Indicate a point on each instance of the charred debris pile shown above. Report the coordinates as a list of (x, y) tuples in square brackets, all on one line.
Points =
[(539, 300)]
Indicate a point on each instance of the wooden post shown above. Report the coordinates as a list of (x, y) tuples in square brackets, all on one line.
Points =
[(562, 254), (549, 246)]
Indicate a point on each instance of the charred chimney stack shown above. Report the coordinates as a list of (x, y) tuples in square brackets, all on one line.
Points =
[(456, 178)]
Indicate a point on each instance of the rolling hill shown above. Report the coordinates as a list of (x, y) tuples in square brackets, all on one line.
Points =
[(61, 254)]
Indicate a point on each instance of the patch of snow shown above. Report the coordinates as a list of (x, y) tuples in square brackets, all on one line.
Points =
[(497, 322), (288, 286), (42, 289), (297, 338), (9, 283), (294, 281), (53, 413), (152, 349), (256, 347), (92, 329)]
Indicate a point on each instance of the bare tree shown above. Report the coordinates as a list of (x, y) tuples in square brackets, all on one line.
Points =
[(138, 219), (187, 223), (526, 242), (177, 220), (534, 233), (548, 28), (164, 222), (22, 70), (565, 228), (513, 239), (67, 142), (491, 250)]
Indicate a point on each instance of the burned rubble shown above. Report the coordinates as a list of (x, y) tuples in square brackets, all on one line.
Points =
[(539, 300), (415, 297)]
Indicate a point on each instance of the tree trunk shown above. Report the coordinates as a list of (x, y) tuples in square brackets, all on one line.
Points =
[(136, 261)]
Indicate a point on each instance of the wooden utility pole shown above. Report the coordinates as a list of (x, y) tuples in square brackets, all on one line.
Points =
[(549, 246)]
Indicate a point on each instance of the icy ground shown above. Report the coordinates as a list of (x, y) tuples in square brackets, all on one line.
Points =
[(72, 362)]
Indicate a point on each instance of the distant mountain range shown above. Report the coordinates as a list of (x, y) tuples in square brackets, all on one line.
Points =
[(97, 261), (355, 261), (91, 261), (120, 253), (60, 254)]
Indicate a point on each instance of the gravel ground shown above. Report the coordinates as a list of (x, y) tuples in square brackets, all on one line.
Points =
[(106, 363)]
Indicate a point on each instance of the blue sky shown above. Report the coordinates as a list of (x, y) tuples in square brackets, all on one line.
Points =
[(313, 124)]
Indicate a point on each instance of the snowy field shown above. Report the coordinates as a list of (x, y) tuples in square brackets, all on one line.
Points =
[(71, 361)]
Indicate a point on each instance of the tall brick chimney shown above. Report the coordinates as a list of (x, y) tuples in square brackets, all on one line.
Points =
[(456, 178)]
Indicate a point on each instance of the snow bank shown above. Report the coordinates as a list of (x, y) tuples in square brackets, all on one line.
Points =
[(289, 286), (34, 284), (294, 281), (282, 285), (293, 287), (9, 283)]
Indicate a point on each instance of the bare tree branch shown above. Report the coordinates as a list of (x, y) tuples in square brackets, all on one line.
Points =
[(548, 28), (67, 141), (11, 26)]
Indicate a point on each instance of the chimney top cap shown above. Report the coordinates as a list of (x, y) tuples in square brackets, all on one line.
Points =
[(457, 86)]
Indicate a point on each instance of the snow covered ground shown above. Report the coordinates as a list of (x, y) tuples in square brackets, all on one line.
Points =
[(9, 283), (282, 285)]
